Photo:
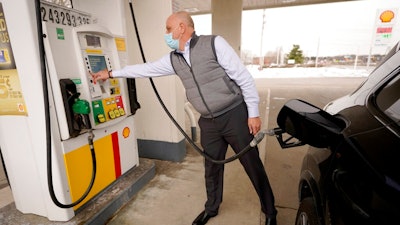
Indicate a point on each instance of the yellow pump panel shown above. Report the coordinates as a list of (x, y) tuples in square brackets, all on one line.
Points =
[(79, 168)]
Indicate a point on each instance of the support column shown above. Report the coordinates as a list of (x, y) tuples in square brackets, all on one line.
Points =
[(157, 136), (227, 21)]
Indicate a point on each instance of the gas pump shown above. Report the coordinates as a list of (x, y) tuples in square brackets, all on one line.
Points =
[(53, 112), (82, 111)]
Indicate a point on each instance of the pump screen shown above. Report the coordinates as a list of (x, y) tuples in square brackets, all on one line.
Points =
[(93, 41), (97, 62)]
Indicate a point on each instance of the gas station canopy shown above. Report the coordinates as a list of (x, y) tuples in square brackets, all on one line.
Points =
[(196, 7)]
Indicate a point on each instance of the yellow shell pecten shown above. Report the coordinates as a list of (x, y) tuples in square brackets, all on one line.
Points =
[(386, 16)]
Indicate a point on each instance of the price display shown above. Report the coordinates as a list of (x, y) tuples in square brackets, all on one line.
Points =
[(57, 14)]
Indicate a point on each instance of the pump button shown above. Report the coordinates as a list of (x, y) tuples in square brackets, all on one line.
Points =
[(121, 111), (101, 118), (111, 114), (116, 112)]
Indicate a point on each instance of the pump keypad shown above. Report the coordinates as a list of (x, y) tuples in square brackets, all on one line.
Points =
[(108, 109)]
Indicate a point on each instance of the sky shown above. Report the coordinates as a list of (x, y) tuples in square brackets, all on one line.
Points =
[(322, 29)]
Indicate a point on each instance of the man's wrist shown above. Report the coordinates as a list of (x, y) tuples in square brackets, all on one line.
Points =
[(110, 74)]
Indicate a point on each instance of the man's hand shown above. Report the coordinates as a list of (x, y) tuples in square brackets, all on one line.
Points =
[(100, 75), (254, 125)]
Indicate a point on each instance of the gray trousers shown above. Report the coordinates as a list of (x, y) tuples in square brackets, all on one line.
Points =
[(231, 129)]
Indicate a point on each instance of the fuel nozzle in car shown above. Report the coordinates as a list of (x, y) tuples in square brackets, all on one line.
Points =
[(260, 135)]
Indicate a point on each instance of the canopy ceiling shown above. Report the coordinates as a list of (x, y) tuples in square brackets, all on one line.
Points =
[(204, 6)]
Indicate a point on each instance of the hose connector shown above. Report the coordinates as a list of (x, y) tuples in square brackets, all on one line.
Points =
[(90, 138), (257, 138), (261, 134)]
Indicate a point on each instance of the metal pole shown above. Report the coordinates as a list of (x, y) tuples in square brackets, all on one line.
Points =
[(261, 44)]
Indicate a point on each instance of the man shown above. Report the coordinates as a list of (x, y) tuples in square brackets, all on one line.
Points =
[(222, 90)]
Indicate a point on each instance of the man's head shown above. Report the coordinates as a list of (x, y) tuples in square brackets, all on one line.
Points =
[(179, 28)]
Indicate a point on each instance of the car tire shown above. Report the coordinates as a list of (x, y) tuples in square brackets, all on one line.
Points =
[(307, 213)]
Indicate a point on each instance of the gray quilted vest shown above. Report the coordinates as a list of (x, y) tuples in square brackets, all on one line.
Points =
[(208, 87)]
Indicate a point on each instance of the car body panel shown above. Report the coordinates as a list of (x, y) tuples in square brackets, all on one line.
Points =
[(357, 181)]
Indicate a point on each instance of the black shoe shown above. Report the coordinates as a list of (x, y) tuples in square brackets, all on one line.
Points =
[(270, 221), (202, 218)]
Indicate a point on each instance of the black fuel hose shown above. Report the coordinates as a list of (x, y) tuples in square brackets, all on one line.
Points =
[(48, 125), (257, 138)]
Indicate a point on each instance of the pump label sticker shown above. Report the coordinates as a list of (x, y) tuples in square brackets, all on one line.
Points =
[(60, 34), (11, 97)]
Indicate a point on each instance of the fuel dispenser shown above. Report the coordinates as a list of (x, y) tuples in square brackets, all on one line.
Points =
[(55, 107), (82, 110)]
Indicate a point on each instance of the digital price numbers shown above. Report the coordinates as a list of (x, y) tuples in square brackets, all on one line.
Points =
[(57, 14)]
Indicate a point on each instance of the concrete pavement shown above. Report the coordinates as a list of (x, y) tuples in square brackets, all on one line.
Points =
[(177, 194)]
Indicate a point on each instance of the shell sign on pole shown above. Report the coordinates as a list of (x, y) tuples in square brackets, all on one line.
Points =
[(384, 25)]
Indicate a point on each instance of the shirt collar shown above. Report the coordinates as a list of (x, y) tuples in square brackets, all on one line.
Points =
[(187, 47)]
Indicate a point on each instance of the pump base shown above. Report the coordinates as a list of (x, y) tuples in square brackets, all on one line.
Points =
[(99, 209)]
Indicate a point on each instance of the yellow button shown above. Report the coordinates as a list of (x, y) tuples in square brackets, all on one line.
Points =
[(116, 112), (101, 118), (121, 111), (111, 114)]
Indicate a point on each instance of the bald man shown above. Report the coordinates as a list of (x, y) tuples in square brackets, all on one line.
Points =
[(223, 91)]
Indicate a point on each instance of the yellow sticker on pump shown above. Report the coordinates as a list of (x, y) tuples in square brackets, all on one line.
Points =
[(94, 51)]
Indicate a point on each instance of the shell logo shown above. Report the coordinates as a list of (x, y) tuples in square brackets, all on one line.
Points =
[(125, 132), (386, 16), (21, 107)]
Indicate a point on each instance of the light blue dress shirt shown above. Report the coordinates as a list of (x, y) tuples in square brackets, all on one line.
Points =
[(226, 57)]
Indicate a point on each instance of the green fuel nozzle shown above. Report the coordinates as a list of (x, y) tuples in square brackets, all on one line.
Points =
[(81, 107)]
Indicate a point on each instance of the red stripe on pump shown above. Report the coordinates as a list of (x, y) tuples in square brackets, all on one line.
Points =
[(117, 158)]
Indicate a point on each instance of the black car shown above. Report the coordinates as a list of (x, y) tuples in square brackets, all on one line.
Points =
[(351, 173)]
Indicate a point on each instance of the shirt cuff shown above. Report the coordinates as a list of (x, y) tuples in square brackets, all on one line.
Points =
[(253, 112), (116, 73)]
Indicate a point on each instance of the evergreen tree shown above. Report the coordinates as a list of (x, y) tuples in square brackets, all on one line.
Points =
[(296, 54)]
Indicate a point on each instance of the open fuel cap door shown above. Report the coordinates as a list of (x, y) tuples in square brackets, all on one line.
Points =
[(309, 124)]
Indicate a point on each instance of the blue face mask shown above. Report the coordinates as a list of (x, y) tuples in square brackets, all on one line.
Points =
[(172, 43)]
